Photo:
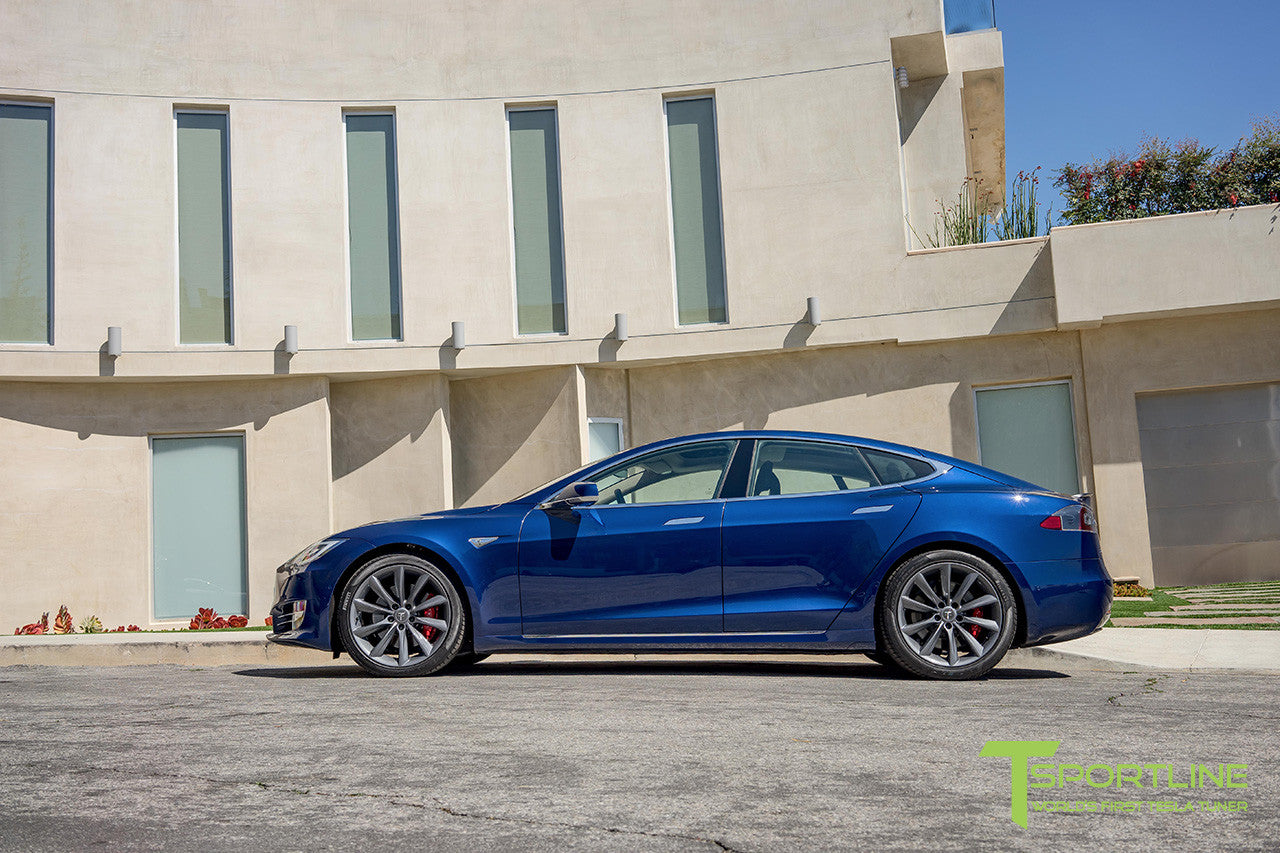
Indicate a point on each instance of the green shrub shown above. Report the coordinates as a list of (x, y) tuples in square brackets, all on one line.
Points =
[(1178, 177)]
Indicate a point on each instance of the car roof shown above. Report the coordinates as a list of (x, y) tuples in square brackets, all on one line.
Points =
[(873, 443)]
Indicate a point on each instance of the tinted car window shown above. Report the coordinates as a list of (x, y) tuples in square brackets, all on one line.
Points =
[(690, 472), (806, 467), (892, 468)]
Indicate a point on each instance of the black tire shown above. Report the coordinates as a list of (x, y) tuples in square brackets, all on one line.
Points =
[(437, 584), (982, 599), (882, 659)]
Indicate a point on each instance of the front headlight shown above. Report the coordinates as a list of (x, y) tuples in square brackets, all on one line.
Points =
[(309, 554)]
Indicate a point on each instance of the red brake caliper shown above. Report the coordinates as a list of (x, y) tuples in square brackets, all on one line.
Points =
[(427, 630), (974, 629)]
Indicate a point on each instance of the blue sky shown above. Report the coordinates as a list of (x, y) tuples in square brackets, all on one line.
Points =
[(1085, 78)]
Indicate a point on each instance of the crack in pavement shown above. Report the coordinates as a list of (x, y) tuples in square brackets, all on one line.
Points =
[(1151, 686), (435, 805)]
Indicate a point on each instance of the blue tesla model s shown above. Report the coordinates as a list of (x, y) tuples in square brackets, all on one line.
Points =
[(733, 541)]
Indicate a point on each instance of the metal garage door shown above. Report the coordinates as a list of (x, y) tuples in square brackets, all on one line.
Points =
[(1211, 463)]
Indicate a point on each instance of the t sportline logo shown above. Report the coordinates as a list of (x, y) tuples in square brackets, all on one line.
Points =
[(1148, 776)]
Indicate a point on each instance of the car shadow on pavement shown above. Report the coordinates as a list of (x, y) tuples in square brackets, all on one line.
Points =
[(492, 668)]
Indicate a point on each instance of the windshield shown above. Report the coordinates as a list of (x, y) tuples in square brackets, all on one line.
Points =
[(556, 479)]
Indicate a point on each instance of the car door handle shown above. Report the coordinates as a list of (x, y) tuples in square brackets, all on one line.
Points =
[(693, 519), (867, 510)]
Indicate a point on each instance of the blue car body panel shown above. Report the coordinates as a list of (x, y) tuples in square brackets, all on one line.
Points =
[(622, 569), (791, 563), (798, 572)]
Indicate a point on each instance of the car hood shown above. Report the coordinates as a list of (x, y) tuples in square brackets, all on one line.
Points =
[(445, 513)]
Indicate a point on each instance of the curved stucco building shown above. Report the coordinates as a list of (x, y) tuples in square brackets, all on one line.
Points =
[(510, 235)]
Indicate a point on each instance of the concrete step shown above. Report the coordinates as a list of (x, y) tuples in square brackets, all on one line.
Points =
[(1172, 619), (1208, 609)]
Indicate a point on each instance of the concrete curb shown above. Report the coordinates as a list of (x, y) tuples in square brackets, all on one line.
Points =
[(1112, 650), (248, 647)]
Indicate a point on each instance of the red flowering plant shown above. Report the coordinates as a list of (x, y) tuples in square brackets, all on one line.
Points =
[(41, 627), (1174, 178), (62, 623), (207, 618)]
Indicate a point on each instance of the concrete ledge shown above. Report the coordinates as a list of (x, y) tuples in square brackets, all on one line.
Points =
[(214, 649)]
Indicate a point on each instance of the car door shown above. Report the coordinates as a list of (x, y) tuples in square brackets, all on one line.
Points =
[(645, 559), (813, 522)]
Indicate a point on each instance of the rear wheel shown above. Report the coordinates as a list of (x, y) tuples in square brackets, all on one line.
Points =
[(947, 615), (401, 615)]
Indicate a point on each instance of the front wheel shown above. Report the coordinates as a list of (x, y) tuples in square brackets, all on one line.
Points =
[(947, 615), (401, 615)]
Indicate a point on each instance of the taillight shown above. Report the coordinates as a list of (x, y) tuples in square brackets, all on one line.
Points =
[(1076, 517)]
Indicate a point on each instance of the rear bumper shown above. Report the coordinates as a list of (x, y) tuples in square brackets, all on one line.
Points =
[(1065, 599)]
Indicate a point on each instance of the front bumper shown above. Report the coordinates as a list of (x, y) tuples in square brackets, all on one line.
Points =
[(300, 616)]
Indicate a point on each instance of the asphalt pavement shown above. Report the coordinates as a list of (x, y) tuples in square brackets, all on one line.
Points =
[(747, 755)]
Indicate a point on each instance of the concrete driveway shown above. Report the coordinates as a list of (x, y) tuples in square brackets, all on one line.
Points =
[(681, 755)]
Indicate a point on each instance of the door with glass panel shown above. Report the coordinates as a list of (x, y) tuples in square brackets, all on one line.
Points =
[(816, 519), (645, 559), (198, 525)]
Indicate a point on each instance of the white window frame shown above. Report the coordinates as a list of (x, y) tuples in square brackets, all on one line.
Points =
[(1071, 405), (622, 433), (508, 109), (346, 223), (231, 238), (49, 340), (671, 212)]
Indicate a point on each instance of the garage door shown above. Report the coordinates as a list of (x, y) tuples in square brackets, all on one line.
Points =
[(1211, 463)]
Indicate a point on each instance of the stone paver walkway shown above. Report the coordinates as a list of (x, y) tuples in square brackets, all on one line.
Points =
[(1209, 606)]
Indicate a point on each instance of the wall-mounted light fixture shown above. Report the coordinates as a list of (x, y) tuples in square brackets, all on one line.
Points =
[(459, 339), (291, 340), (115, 341), (620, 326), (902, 76), (813, 313)]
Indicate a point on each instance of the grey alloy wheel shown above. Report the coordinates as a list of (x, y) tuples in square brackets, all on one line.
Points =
[(947, 615), (401, 615)]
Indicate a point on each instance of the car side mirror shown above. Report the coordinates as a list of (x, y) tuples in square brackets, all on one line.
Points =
[(573, 495)]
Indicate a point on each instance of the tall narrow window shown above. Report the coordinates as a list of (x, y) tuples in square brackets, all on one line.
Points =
[(535, 214), (198, 525), (204, 229), (373, 221), (1028, 431), (26, 183), (695, 211)]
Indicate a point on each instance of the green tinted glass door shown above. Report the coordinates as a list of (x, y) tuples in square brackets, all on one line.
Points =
[(198, 525)]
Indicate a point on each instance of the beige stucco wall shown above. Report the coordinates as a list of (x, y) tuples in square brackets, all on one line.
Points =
[(932, 133), (391, 452), (514, 432), (1124, 360), (808, 143), (1193, 262), (917, 395), (76, 468)]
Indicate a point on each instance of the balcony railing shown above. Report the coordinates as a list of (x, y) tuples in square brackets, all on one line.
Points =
[(966, 16)]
